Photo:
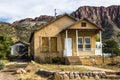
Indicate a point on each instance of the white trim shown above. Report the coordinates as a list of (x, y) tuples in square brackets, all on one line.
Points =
[(77, 41), (82, 39), (87, 37), (66, 38), (65, 43)]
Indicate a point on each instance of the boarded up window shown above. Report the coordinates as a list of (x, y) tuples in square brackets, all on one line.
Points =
[(45, 44), (53, 43)]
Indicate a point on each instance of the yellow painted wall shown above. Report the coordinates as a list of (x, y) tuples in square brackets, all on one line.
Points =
[(51, 30), (32, 47)]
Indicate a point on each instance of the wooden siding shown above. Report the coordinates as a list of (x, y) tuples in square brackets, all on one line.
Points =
[(78, 25)]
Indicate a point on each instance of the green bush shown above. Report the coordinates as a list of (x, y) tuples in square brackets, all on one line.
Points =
[(111, 46), (2, 65), (11, 57), (5, 44), (37, 59), (57, 60)]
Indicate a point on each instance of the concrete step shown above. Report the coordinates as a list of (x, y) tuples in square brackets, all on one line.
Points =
[(73, 60), (75, 63)]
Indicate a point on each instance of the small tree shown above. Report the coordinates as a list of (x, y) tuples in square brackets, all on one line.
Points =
[(5, 44), (111, 46)]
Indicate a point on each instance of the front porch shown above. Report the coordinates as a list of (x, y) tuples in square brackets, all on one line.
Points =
[(82, 43)]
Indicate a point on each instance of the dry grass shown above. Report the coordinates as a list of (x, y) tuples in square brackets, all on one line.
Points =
[(53, 67), (94, 79), (4, 61), (33, 67)]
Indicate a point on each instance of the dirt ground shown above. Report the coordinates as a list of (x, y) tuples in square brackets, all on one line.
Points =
[(32, 68)]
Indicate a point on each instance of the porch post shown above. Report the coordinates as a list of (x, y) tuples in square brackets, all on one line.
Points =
[(101, 41), (77, 41), (66, 47), (100, 36)]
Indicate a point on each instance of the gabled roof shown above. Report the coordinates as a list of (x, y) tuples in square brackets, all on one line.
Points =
[(89, 22), (58, 17), (22, 42)]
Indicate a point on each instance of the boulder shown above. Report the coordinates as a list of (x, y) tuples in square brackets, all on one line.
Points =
[(65, 77), (57, 76), (20, 71), (71, 75), (76, 75)]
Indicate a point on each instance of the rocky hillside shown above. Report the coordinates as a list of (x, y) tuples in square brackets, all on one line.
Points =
[(107, 17), (21, 30), (6, 28), (24, 27)]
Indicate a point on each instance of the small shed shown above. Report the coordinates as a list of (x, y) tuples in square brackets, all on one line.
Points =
[(20, 48)]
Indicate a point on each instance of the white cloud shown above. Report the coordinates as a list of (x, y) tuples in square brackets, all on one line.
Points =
[(18, 9)]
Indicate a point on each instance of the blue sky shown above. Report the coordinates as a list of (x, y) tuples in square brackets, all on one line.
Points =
[(12, 10)]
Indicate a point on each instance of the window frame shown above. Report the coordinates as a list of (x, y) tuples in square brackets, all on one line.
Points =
[(87, 44), (48, 47), (52, 45), (45, 46), (80, 44)]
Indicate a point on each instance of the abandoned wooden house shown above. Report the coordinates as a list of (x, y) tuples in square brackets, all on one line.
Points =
[(66, 37), (19, 48)]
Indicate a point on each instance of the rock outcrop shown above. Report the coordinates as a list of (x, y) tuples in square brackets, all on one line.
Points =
[(107, 17)]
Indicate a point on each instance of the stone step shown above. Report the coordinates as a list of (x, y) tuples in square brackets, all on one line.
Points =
[(113, 77), (112, 72)]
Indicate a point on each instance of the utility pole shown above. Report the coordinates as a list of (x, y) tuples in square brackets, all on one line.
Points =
[(55, 13)]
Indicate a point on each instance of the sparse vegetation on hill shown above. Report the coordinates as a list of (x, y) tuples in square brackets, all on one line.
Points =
[(21, 30), (8, 29)]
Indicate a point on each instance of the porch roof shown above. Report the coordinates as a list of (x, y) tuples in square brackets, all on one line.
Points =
[(98, 27)]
